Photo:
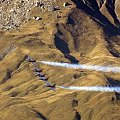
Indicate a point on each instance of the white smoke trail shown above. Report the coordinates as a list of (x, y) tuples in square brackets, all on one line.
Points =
[(84, 66), (92, 88)]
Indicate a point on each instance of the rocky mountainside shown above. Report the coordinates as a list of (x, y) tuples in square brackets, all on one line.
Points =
[(72, 31)]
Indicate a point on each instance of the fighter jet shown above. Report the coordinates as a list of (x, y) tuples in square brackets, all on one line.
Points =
[(52, 87), (38, 70), (40, 74), (44, 79), (29, 59)]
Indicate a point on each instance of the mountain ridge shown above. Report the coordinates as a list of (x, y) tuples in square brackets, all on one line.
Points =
[(81, 32)]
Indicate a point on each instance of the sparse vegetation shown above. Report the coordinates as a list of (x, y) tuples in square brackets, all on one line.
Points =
[(9, 87), (70, 31)]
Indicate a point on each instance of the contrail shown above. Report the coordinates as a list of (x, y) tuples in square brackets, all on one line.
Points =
[(84, 66), (92, 88)]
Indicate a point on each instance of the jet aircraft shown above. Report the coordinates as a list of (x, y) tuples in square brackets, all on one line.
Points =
[(29, 59), (40, 74), (52, 87), (38, 70), (44, 79)]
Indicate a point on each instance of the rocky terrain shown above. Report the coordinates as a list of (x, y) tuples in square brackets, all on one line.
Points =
[(73, 31)]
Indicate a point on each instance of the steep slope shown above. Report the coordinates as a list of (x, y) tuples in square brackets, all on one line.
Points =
[(80, 32)]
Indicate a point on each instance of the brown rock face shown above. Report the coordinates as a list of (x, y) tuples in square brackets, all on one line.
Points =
[(72, 31), (117, 7)]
